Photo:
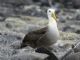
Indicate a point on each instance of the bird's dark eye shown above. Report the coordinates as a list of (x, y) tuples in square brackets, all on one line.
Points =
[(49, 11)]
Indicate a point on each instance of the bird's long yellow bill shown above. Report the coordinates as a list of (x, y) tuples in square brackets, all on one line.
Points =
[(54, 16)]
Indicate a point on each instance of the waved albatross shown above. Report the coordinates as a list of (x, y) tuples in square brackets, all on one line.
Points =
[(43, 37)]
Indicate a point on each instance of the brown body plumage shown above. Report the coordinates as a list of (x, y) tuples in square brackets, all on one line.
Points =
[(36, 38)]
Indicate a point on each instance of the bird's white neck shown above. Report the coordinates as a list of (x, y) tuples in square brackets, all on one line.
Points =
[(52, 21)]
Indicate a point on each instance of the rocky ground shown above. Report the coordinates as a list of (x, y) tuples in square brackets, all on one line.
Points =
[(16, 20)]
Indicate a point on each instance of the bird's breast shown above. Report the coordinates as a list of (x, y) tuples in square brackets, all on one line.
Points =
[(52, 27), (53, 32)]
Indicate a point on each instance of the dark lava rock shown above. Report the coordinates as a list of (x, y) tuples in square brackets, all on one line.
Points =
[(66, 28), (0, 33), (78, 17), (16, 2), (76, 3), (76, 47), (42, 2), (34, 12), (2, 18), (6, 11), (62, 20), (8, 25), (74, 56), (78, 32)]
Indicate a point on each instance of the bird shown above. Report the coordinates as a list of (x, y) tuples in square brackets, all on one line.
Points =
[(44, 37)]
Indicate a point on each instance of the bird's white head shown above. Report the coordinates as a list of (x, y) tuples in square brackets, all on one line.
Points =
[(52, 14)]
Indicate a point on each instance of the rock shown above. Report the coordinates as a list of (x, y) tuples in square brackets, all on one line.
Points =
[(74, 56), (4, 58), (6, 51), (36, 0), (17, 2), (62, 21), (33, 11), (78, 32), (76, 3), (44, 3), (29, 56), (16, 44), (2, 18), (76, 47), (6, 11), (71, 27), (16, 24), (78, 17), (9, 38), (69, 36), (8, 25), (66, 28), (24, 24), (75, 28)]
